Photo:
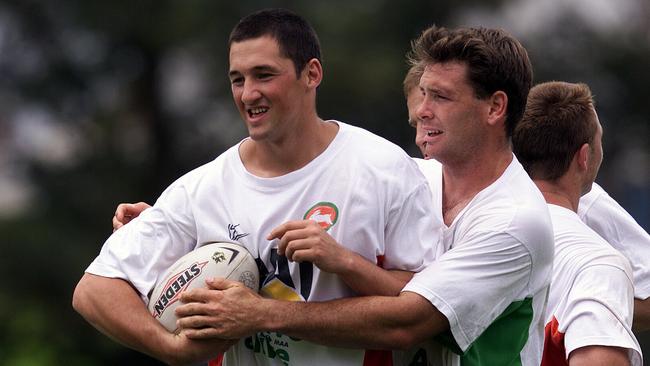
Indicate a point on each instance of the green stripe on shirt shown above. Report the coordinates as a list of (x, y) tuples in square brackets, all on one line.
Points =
[(502, 342)]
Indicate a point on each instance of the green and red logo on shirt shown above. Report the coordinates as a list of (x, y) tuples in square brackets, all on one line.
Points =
[(324, 213)]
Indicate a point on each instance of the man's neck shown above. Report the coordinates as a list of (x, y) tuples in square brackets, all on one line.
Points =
[(295, 150), (461, 182), (559, 195)]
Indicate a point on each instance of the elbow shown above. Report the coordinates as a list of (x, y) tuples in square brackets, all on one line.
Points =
[(420, 323), (405, 339), (80, 297)]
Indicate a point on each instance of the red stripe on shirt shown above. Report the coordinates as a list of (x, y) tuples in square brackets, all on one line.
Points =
[(378, 358), (217, 361), (554, 352)]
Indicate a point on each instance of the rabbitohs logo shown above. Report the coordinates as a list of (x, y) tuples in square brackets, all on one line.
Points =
[(324, 213)]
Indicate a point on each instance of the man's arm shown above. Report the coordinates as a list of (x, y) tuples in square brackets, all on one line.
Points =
[(306, 241), (377, 322), (599, 356), (363, 322), (641, 322), (113, 307)]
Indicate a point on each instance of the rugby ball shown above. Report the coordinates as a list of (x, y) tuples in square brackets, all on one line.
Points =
[(227, 260)]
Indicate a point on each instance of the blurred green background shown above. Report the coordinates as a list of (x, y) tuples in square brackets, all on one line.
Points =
[(104, 102)]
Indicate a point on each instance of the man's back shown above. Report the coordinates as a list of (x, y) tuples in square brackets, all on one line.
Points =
[(590, 300)]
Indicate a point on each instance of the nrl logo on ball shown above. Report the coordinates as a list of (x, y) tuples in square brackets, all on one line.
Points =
[(218, 257)]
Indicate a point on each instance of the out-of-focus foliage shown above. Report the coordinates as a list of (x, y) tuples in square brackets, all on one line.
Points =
[(103, 102)]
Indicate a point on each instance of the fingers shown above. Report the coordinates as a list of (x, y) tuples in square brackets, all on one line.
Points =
[(300, 250), (116, 224), (219, 283), (126, 212), (292, 231), (197, 295), (294, 237), (201, 333), (281, 230), (201, 327)]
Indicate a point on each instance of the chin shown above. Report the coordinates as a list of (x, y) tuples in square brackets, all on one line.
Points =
[(257, 133)]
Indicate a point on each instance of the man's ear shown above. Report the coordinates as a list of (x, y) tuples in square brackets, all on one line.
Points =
[(314, 73), (582, 156), (498, 107)]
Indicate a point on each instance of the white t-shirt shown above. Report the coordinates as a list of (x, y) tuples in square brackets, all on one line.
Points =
[(606, 217), (492, 274), (591, 299), (364, 190)]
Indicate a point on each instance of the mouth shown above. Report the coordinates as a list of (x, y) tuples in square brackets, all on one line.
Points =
[(256, 112), (433, 132)]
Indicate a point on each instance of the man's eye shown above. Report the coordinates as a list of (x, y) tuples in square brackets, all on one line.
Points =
[(439, 97)]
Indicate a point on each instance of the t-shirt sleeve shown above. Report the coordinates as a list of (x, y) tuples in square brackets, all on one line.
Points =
[(599, 311), (607, 218), (412, 231), (143, 249), (473, 283)]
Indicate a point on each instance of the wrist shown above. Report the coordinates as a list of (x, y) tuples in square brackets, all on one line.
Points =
[(166, 350), (349, 263), (271, 315)]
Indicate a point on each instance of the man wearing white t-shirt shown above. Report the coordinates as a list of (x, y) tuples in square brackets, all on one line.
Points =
[(483, 297), (606, 217), (597, 209), (590, 306), (295, 190)]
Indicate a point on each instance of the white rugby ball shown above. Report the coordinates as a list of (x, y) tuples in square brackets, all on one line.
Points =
[(227, 260)]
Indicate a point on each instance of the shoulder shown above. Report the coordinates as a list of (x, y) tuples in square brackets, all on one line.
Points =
[(369, 144), (578, 244), (429, 167), (587, 201), (373, 153), (204, 175), (513, 206), (512, 203)]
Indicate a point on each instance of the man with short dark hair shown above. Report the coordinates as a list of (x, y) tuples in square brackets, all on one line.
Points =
[(590, 306), (296, 190)]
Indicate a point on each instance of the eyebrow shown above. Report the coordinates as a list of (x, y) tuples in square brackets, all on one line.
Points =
[(256, 69)]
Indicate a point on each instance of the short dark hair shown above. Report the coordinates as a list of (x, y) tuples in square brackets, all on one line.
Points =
[(495, 59), (295, 36), (558, 120)]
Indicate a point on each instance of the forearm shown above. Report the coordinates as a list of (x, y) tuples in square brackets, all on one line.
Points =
[(366, 278), (641, 320), (362, 322), (115, 308), (599, 356)]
